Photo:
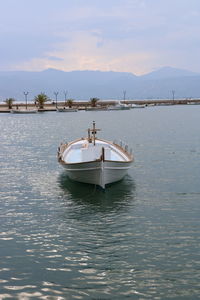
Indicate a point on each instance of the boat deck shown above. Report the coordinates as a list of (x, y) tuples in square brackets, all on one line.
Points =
[(82, 151)]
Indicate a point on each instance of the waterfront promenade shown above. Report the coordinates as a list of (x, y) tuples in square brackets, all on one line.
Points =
[(81, 105)]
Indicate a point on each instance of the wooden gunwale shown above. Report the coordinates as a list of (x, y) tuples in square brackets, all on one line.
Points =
[(120, 148), (93, 161), (130, 157)]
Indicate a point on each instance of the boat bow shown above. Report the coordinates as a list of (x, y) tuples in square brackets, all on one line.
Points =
[(93, 160)]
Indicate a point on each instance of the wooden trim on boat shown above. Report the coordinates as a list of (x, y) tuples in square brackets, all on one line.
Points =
[(93, 161), (65, 146), (79, 163), (130, 156)]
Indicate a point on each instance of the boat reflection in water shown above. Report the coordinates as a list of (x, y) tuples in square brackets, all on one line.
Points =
[(116, 195)]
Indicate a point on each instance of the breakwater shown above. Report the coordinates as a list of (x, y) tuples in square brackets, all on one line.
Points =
[(81, 105)]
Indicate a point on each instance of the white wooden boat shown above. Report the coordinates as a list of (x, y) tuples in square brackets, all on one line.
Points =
[(96, 108), (119, 106), (66, 109), (138, 105), (23, 111), (95, 161)]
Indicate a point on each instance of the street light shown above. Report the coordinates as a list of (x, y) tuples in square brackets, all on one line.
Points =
[(26, 94), (124, 93), (173, 93), (56, 94), (65, 93)]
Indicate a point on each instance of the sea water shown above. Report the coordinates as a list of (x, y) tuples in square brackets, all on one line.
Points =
[(139, 239)]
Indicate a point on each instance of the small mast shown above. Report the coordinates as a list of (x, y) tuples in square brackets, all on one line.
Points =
[(92, 131)]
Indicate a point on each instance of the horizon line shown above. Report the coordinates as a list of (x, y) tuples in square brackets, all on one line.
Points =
[(102, 71)]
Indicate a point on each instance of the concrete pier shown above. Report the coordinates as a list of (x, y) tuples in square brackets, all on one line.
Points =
[(85, 104)]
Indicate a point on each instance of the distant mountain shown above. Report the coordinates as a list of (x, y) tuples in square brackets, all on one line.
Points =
[(168, 72), (82, 85)]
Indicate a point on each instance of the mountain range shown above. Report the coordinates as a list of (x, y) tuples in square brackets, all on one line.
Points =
[(82, 85)]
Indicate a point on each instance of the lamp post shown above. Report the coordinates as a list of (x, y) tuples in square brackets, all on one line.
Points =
[(65, 93), (124, 93), (26, 94), (56, 95), (173, 93)]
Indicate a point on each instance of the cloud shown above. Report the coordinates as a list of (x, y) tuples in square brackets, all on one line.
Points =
[(88, 51), (55, 58), (122, 35)]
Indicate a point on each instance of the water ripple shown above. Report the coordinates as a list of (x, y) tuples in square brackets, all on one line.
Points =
[(63, 240)]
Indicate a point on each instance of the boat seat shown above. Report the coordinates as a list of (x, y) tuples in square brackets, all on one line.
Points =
[(91, 153), (107, 153), (94, 153)]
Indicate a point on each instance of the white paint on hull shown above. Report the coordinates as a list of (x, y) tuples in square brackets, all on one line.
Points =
[(23, 111), (98, 173), (96, 162)]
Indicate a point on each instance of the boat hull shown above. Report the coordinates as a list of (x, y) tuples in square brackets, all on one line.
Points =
[(97, 172), (23, 111), (119, 108), (67, 109)]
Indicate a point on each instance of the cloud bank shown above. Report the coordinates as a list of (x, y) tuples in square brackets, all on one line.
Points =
[(136, 36)]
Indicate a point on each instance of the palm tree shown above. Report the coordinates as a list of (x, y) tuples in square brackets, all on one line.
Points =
[(9, 102), (70, 102), (41, 99), (93, 101)]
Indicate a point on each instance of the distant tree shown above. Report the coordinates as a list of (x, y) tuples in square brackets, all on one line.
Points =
[(9, 102), (93, 101), (40, 99), (70, 103)]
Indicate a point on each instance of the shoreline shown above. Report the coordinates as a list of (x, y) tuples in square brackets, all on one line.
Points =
[(82, 105)]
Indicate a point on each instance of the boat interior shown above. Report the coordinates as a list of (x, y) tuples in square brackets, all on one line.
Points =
[(84, 151)]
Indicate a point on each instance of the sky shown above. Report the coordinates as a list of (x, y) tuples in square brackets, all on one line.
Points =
[(137, 36)]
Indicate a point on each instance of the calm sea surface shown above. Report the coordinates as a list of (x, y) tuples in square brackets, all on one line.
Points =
[(140, 239)]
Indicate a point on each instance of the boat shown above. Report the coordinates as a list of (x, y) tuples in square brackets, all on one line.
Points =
[(119, 106), (95, 161), (103, 108), (23, 111), (138, 105), (66, 109)]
